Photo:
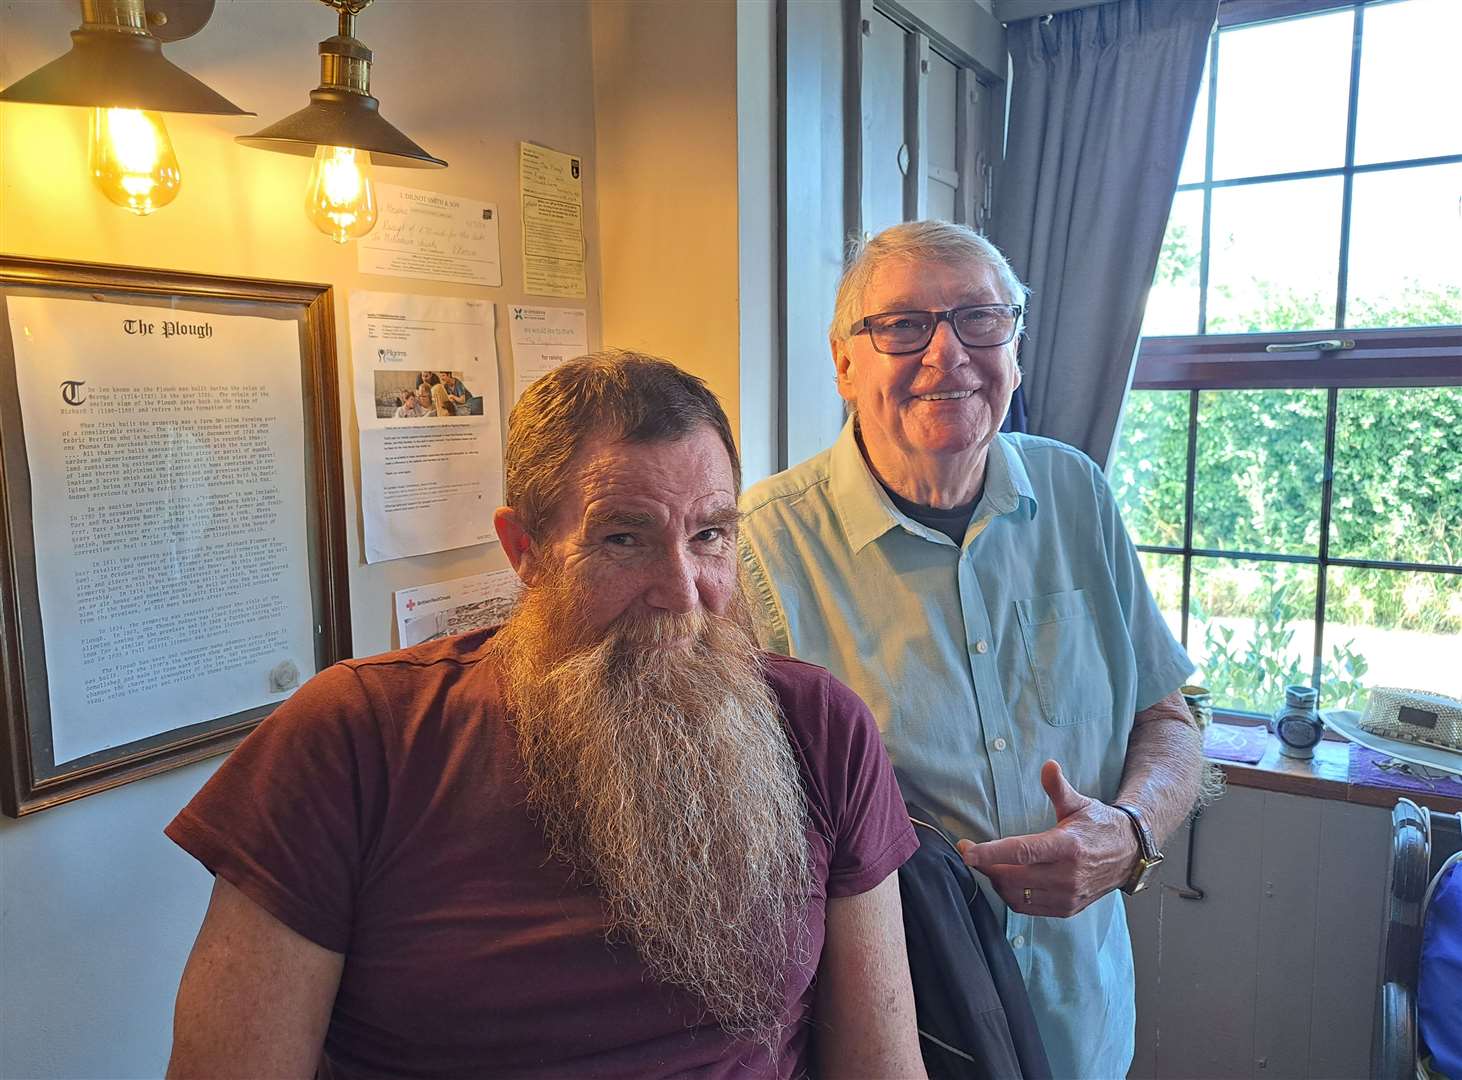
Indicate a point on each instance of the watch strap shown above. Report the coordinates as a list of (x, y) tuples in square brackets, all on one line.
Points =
[(1147, 847), (1148, 856)]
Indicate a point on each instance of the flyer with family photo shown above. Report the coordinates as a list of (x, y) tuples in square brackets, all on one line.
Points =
[(426, 392)]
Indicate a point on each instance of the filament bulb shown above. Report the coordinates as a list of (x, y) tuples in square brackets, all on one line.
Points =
[(132, 159), (341, 199)]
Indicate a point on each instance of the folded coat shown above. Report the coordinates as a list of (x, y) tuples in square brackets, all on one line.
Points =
[(975, 1019)]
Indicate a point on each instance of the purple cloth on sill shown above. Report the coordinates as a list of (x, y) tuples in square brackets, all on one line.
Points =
[(1232, 742), (1365, 768)]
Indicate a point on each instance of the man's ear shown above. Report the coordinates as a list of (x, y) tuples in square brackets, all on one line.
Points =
[(843, 366), (517, 542)]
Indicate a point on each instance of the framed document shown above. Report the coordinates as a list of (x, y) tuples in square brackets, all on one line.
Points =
[(174, 560)]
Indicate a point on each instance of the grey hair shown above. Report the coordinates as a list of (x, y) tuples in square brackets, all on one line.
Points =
[(934, 241), (626, 396)]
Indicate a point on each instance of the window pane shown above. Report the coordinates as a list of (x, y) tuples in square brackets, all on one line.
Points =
[(1172, 303), (1408, 69), (1197, 150), (1150, 468), (942, 129), (1164, 575), (884, 57), (1252, 630), (1388, 628), (1275, 256), (1283, 96), (1261, 458), (1397, 495), (1406, 247)]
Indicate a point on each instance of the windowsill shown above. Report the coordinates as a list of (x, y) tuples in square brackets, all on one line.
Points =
[(1325, 776)]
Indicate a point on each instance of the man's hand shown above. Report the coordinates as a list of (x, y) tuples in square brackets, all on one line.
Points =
[(1090, 852)]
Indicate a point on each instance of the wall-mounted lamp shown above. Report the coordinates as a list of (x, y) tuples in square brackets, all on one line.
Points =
[(116, 68), (343, 128)]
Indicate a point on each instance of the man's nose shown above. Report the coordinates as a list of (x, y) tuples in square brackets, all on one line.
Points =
[(945, 350), (674, 588)]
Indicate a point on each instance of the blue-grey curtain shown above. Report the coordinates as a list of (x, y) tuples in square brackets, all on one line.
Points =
[(1101, 99)]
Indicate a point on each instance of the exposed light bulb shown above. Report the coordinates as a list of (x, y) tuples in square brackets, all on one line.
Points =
[(341, 199), (132, 159)]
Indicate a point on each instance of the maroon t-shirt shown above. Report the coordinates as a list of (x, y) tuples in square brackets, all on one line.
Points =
[(380, 813)]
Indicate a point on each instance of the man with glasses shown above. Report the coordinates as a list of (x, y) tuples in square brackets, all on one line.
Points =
[(979, 592)]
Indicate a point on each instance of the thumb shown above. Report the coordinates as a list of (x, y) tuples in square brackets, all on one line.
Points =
[(1065, 798)]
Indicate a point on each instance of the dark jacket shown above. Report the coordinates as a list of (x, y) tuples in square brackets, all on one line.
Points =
[(975, 1019)]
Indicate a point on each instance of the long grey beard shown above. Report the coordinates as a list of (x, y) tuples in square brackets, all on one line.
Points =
[(664, 776)]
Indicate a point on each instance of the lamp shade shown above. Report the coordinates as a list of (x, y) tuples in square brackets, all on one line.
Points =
[(336, 117), (109, 70)]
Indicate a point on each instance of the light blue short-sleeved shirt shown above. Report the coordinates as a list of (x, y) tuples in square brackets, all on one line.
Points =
[(1036, 639)]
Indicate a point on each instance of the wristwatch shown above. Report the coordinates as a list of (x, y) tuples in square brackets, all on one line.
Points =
[(1148, 856)]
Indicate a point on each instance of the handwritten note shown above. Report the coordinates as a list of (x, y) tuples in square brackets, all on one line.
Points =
[(425, 234), (552, 193)]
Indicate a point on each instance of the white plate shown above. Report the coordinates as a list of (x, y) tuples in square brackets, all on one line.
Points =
[(1347, 723)]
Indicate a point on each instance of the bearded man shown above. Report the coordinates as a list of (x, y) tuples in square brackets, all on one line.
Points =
[(613, 839)]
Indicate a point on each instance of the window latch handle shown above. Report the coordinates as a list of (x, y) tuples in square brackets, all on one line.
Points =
[(1328, 345)]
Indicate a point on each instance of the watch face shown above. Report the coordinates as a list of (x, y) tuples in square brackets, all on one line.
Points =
[(1298, 732)]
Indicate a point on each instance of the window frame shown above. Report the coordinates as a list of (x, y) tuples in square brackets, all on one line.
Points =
[(1379, 358), (1404, 356), (1322, 560)]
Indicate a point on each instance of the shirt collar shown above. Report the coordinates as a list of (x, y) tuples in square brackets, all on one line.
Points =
[(1007, 484), (866, 511)]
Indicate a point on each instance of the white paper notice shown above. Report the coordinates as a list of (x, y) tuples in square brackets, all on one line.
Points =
[(431, 449), (543, 338), (552, 190), (425, 234), (435, 611), (167, 462)]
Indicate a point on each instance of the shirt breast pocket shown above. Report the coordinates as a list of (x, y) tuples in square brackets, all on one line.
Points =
[(1065, 656)]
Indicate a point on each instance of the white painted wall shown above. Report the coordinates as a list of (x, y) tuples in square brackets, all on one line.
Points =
[(1273, 973), (685, 128), (97, 908), (665, 112), (97, 913)]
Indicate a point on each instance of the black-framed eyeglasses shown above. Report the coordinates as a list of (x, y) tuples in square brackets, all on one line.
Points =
[(978, 326)]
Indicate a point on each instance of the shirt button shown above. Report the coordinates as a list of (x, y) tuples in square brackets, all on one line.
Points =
[(1018, 940), (981, 646), (998, 744)]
